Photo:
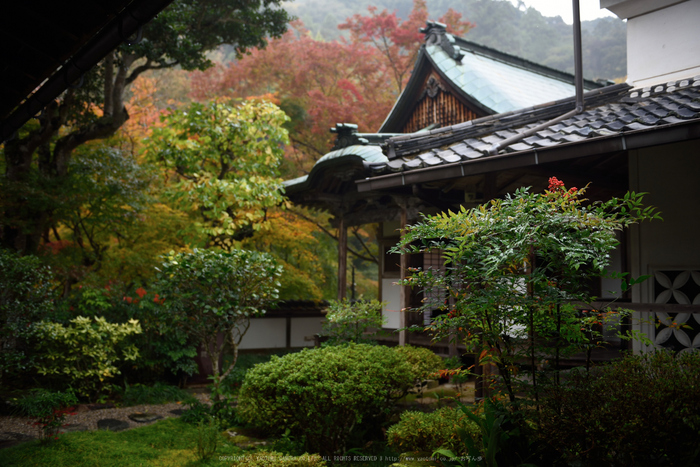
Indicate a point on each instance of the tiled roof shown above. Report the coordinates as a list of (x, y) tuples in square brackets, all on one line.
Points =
[(495, 83), (614, 110)]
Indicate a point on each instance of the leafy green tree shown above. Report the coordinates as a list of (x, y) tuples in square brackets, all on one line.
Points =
[(517, 268), (211, 292), (26, 296), (223, 162), (36, 161)]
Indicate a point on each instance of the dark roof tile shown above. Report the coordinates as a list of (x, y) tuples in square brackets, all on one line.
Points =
[(616, 110), (686, 113), (615, 125), (493, 139), (395, 165), (544, 143), (521, 146), (574, 138), (413, 164)]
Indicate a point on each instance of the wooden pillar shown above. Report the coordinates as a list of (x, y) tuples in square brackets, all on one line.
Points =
[(342, 258), (405, 293)]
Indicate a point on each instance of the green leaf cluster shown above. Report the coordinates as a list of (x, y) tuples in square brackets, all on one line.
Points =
[(348, 321), (226, 159), (639, 410), (26, 296), (85, 353), (427, 432), (320, 395), (517, 272)]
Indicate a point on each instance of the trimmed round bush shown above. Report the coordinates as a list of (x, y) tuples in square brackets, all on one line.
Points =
[(427, 432), (321, 394)]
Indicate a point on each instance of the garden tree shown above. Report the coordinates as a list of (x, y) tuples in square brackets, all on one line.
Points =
[(301, 251), (26, 296), (209, 292), (105, 191), (40, 154), (317, 84), (398, 40), (221, 164), (516, 272)]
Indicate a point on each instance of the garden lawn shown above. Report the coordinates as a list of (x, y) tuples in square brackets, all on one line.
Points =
[(170, 442)]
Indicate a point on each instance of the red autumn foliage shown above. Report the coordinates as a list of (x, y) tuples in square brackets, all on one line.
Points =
[(399, 40)]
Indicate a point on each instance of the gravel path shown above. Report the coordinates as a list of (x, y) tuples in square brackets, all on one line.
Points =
[(21, 428)]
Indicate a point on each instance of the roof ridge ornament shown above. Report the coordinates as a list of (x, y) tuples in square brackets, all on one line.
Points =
[(436, 34), (347, 136)]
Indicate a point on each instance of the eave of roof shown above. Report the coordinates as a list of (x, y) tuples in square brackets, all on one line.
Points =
[(361, 156), (108, 25)]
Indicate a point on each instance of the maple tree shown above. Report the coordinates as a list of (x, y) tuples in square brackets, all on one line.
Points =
[(36, 162), (221, 162), (398, 40), (316, 83)]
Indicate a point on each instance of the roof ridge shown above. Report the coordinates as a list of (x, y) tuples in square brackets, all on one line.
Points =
[(662, 88)]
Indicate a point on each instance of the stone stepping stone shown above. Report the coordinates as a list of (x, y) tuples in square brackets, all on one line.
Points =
[(178, 412), (144, 417), (72, 427), (112, 424)]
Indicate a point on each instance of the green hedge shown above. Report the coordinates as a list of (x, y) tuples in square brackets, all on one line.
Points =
[(321, 394), (426, 432)]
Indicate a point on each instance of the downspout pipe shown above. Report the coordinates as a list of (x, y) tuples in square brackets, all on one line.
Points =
[(578, 81)]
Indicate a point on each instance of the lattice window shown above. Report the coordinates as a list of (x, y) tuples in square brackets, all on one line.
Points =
[(677, 331)]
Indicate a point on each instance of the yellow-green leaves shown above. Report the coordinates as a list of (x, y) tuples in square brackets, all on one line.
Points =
[(86, 352), (221, 161)]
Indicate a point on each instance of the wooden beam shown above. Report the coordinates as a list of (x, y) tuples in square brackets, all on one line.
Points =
[(342, 258)]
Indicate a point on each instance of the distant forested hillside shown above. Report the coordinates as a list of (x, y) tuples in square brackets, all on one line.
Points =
[(499, 24)]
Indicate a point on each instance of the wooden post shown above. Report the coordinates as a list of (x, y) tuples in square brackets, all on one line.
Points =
[(342, 258), (404, 294)]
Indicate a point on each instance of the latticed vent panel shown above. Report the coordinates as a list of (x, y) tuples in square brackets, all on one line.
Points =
[(443, 109), (677, 331)]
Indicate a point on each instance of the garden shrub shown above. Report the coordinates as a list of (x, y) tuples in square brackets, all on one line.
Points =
[(276, 459), (159, 393), (321, 394), (348, 321), (640, 410), (424, 361), (48, 408), (427, 432), (85, 352)]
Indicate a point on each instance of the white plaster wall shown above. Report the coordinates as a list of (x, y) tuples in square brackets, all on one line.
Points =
[(391, 296), (265, 333), (303, 331), (664, 45)]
